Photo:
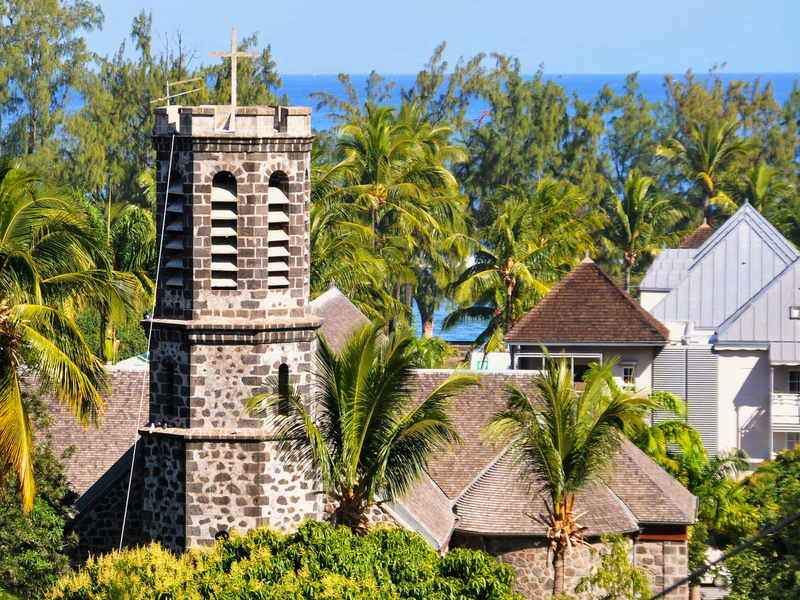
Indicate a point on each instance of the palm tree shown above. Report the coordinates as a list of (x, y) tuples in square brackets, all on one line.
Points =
[(129, 240), (49, 270), (763, 187), (365, 436), (640, 221), (561, 440), (395, 172), (712, 155), (532, 242)]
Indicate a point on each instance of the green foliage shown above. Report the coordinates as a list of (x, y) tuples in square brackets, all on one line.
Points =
[(317, 561), (768, 570), (616, 577), (132, 337), (365, 439), (33, 544), (430, 353)]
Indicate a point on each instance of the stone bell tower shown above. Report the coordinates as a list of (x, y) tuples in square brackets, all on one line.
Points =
[(232, 310)]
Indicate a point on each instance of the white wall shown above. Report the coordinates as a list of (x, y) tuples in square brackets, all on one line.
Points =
[(649, 299), (744, 397)]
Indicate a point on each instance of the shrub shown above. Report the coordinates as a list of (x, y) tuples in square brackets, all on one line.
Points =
[(317, 561)]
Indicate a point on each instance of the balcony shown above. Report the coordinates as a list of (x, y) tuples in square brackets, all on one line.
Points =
[(785, 410)]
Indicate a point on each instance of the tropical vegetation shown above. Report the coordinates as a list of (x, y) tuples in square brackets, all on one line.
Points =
[(367, 440), (563, 439), (316, 561)]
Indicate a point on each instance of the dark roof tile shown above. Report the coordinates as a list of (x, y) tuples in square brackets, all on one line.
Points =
[(698, 237), (588, 307)]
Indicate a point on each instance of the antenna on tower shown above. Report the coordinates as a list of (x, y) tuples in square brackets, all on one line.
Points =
[(166, 89)]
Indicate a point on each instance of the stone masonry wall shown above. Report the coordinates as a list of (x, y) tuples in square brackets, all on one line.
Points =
[(532, 561), (242, 485), (251, 162), (164, 491), (666, 563), (224, 377), (98, 526)]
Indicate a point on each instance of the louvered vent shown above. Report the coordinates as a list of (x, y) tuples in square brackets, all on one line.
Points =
[(173, 234), (224, 225), (278, 236)]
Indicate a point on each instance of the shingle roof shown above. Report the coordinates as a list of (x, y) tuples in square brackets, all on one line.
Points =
[(490, 499), (431, 509), (496, 503), (588, 307), (342, 317), (648, 490), (698, 237), (454, 471), (97, 450)]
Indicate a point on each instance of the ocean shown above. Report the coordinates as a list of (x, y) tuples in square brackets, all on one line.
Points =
[(298, 88)]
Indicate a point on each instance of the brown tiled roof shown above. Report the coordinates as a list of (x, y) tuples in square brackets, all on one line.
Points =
[(497, 503), (98, 449), (648, 490), (471, 411), (342, 317), (698, 237), (588, 307)]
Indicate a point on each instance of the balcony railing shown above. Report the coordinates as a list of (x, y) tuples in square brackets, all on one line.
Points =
[(785, 409)]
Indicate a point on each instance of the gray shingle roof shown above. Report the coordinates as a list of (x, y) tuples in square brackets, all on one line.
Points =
[(342, 317), (490, 499), (97, 450), (431, 509), (496, 503), (731, 267)]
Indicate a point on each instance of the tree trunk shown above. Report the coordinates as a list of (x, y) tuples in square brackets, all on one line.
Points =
[(33, 136), (694, 592), (427, 327), (558, 573), (509, 294), (706, 207), (628, 266)]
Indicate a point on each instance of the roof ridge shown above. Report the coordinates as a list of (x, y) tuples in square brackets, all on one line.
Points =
[(480, 475)]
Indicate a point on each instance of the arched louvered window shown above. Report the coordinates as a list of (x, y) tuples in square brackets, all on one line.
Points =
[(224, 227), (173, 232), (278, 236)]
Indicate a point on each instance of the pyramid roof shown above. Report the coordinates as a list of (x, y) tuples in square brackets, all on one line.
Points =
[(588, 307)]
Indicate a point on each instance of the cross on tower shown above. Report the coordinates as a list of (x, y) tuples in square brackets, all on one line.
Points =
[(233, 55)]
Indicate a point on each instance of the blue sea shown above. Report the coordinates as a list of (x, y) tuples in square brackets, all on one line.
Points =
[(298, 88)]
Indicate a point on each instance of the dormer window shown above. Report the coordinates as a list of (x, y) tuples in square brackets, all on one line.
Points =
[(224, 228), (794, 312)]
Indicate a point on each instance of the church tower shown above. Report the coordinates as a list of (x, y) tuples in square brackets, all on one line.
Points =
[(232, 310)]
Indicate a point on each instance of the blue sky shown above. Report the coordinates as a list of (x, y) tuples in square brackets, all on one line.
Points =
[(568, 36)]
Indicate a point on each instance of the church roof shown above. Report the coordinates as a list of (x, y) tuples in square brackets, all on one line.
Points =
[(732, 266), (342, 317), (490, 499), (766, 319), (588, 307), (496, 503), (698, 237)]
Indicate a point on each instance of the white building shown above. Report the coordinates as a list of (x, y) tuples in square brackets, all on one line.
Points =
[(732, 305)]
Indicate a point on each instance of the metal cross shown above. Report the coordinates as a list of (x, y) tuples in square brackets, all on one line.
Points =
[(233, 55)]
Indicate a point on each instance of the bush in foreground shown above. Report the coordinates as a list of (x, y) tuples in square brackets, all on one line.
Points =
[(316, 562)]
